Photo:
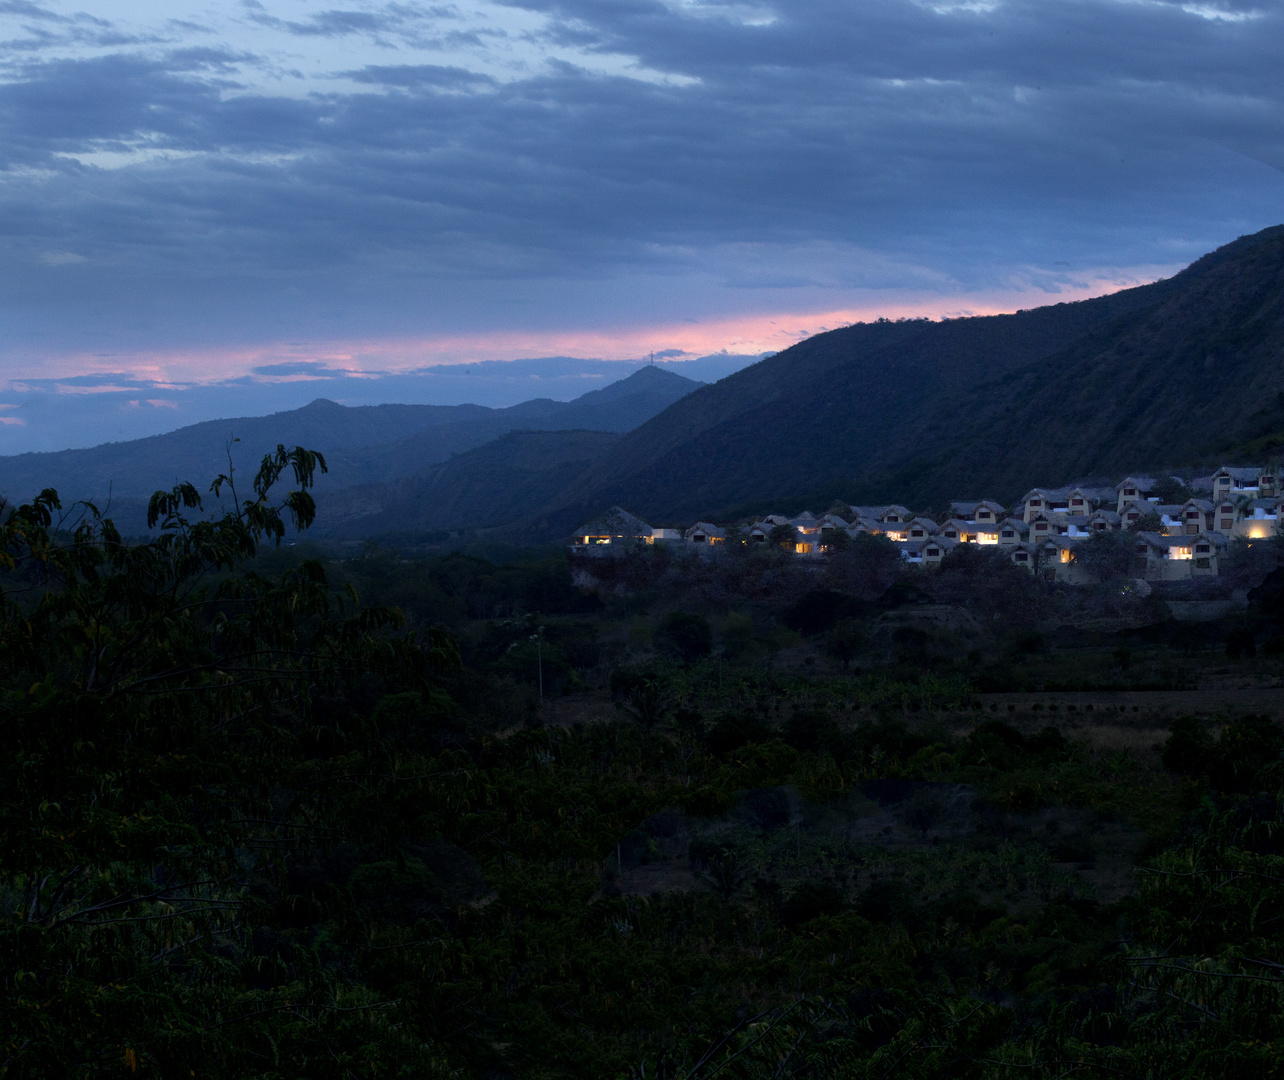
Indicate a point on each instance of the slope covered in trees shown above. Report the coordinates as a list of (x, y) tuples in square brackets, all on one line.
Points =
[(922, 412)]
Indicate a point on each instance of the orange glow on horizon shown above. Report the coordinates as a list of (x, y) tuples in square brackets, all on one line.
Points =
[(375, 357)]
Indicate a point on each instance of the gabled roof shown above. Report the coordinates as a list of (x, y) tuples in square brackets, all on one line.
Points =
[(834, 521), (805, 518), (925, 523), (1162, 543), (901, 511), (1142, 483), (1045, 493), (1106, 515), (1240, 475), (707, 528), (1014, 523), (969, 509), (1099, 494)]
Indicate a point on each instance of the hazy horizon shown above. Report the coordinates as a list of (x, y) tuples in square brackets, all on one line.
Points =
[(196, 193)]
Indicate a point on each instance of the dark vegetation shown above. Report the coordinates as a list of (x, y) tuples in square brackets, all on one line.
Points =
[(271, 812)]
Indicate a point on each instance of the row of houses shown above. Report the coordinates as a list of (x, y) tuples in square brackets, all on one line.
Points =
[(1173, 540)]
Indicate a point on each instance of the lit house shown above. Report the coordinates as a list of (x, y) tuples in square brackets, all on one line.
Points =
[(1259, 520), (1012, 531), (958, 529), (704, 533), (920, 528), (1178, 557), (806, 522), (615, 527)]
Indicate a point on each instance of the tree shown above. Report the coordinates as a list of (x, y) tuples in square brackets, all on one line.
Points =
[(157, 697), (685, 635), (785, 536), (1107, 555)]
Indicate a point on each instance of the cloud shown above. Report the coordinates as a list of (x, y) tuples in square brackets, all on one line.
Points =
[(569, 167)]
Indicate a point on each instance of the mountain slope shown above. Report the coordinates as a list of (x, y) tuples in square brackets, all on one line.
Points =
[(363, 445), (923, 412), (619, 407), (493, 485)]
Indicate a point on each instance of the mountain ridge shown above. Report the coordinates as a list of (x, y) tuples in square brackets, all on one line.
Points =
[(922, 412), (362, 444)]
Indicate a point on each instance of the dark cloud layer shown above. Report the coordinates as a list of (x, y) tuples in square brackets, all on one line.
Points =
[(801, 148)]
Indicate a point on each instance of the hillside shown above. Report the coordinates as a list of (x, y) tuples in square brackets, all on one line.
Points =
[(363, 445), (924, 412), (505, 480)]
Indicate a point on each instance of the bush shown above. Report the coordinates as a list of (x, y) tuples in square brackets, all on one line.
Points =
[(811, 900), (732, 731), (685, 636), (1235, 761)]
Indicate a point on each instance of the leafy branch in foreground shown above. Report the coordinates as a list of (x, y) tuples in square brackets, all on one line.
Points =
[(155, 695)]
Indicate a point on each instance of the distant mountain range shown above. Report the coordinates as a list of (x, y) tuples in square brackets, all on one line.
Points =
[(364, 446), (1185, 371)]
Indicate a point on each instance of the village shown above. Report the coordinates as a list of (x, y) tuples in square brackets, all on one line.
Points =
[(1175, 541)]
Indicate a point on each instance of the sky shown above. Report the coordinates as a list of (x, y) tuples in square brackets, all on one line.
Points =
[(233, 208)]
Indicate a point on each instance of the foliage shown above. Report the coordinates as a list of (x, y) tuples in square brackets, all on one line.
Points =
[(251, 828), (161, 712), (685, 635), (1107, 555)]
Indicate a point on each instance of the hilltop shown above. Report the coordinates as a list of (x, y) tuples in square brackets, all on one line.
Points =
[(1166, 374)]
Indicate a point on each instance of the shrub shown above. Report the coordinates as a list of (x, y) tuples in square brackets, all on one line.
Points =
[(685, 635)]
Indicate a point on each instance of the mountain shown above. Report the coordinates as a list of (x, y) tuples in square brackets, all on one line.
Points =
[(1160, 375), (363, 445), (505, 480), (619, 407)]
